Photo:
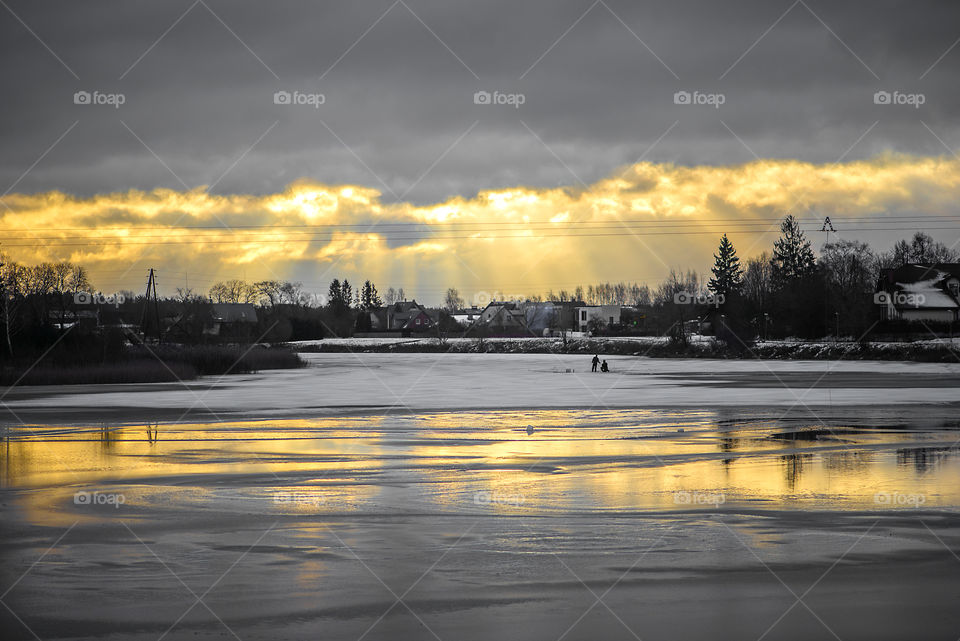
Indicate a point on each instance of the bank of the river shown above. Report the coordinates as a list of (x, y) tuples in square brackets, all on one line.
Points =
[(931, 351)]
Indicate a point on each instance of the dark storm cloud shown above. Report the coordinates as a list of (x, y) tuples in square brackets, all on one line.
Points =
[(399, 112)]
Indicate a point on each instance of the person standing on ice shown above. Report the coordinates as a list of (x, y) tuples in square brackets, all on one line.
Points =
[(596, 361)]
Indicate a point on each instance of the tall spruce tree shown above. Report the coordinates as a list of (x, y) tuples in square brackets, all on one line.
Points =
[(727, 271), (792, 257), (370, 298), (333, 297)]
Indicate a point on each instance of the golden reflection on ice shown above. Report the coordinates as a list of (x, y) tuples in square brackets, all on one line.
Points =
[(528, 462)]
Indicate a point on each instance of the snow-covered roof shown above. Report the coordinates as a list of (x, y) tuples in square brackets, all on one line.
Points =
[(929, 293), (923, 286)]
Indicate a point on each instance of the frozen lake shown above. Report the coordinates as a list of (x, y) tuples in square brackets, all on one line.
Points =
[(427, 496)]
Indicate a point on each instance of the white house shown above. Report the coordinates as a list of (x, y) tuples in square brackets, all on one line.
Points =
[(920, 292), (607, 315)]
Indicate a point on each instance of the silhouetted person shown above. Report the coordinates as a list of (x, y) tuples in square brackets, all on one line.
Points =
[(596, 361), (604, 368)]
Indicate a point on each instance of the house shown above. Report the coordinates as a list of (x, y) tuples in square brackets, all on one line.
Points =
[(85, 319), (113, 319), (468, 316), (920, 292), (594, 316), (503, 317), (551, 317), (100, 319), (231, 319), (566, 316), (403, 316)]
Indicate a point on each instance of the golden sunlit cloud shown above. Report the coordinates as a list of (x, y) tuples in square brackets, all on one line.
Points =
[(632, 225)]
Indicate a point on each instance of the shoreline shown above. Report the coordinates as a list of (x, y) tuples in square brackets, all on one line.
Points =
[(700, 347), (120, 417)]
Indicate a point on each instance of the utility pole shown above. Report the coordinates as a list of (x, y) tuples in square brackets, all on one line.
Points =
[(827, 228), (151, 293)]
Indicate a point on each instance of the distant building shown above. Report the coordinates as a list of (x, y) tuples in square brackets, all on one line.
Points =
[(402, 316), (85, 319), (551, 317), (503, 317), (99, 319), (231, 319), (467, 317), (606, 316), (920, 292)]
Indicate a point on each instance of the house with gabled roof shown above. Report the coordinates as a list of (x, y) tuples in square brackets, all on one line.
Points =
[(230, 320), (921, 292), (503, 317), (402, 316)]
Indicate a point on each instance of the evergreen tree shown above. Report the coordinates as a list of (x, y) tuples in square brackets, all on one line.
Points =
[(346, 292), (334, 299), (792, 257), (369, 298), (727, 272)]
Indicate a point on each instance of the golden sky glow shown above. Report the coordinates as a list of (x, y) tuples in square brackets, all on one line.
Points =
[(632, 225)]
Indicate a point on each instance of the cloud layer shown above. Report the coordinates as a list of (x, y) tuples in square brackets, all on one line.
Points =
[(632, 225), (398, 79)]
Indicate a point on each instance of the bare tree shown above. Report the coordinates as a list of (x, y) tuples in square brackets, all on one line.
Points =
[(758, 280), (292, 293), (268, 292), (676, 282), (452, 301), (79, 280), (236, 291), (61, 276)]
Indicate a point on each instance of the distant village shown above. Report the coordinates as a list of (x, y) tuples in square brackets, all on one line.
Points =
[(847, 291)]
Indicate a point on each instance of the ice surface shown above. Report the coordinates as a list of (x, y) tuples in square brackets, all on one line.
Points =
[(339, 381)]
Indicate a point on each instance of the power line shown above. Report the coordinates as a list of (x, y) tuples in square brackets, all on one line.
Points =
[(367, 224), (104, 242)]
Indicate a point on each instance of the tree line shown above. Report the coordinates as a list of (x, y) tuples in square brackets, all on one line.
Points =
[(786, 291)]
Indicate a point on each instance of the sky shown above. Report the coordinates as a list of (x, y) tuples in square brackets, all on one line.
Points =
[(503, 148)]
